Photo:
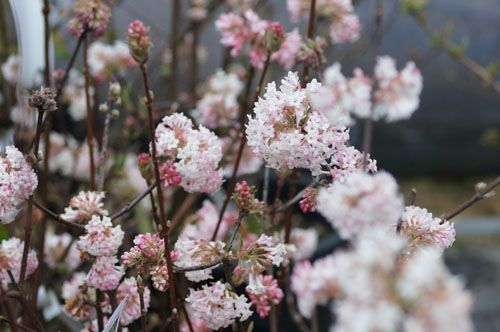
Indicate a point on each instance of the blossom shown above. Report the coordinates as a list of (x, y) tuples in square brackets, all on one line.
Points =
[(398, 93), (132, 308), (106, 60), (360, 203), (202, 224), (11, 253), (420, 228), (218, 306), (308, 202), (84, 206), (169, 175), (56, 248), (245, 198), (346, 29), (104, 273), (271, 295), (73, 94), (197, 153), (340, 97), (93, 15), (349, 160), (285, 56), (306, 240), (74, 293), (314, 284), (138, 41), (287, 132), (43, 99), (195, 252), (101, 238), (18, 181), (10, 69)]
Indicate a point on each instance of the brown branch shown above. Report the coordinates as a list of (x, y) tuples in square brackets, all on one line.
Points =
[(104, 148), (183, 209), (136, 200), (57, 218), (70, 64), (477, 197), (90, 135), (165, 228)]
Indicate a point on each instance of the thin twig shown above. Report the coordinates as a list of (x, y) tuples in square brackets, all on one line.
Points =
[(165, 228), (57, 218), (90, 135), (131, 205), (70, 64), (477, 197), (104, 149)]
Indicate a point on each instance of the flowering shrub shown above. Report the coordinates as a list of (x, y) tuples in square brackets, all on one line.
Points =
[(160, 195)]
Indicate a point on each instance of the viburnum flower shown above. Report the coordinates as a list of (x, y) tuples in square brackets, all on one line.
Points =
[(362, 202), (272, 294), (312, 53), (202, 224), (18, 181), (349, 160), (169, 174), (305, 240), (219, 107), (196, 152), (420, 228), (308, 202), (340, 97), (73, 94), (101, 238), (264, 38), (74, 293), (104, 273), (84, 206), (11, 254), (145, 166), (398, 93), (195, 252), (106, 60), (138, 41), (43, 99), (245, 198), (93, 15), (132, 308), (314, 284), (10, 69), (56, 248), (344, 26), (287, 132), (218, 306)]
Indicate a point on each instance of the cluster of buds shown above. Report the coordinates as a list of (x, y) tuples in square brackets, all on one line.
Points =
[(43, 99), (312, 53), (145, 166), (308, 202), (264, 300), (138, 41), (274, 36), (245, 198), (169, 174), (92, 15)]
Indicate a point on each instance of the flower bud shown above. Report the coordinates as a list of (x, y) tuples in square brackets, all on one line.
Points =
[(43, 99), (138, 41)]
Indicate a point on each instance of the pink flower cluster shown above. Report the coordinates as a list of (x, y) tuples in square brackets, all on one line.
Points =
[(272, 294), (169, 175), (420, 228), (101, 238), (148, 255), (56, 246), (264, 37), (18, 181), (202, 224), (245, 198), (195, 252), (219, 105), (344, 26), (360, 203), (287, 132), (396, 97), (11, 253), (308, 201), (218, 306), (84, 206), (104, 273), (132, 308), (106, 61), (138, 41), (93, 15), (196, 152)]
